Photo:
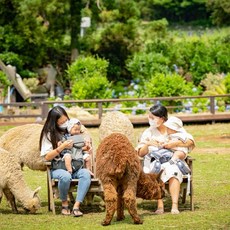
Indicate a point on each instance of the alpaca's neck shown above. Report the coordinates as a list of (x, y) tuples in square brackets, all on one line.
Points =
[(20, 189)]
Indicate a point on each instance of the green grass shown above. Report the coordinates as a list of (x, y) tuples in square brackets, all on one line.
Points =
[(211, 193)]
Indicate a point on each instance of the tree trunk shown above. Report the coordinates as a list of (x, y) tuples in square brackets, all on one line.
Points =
[(75, 11)]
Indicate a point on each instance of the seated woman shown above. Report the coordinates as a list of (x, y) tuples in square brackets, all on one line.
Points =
[(54, 129), (155, 135)]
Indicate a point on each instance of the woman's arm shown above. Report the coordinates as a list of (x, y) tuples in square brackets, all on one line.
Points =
[(68, 144), (145, 148), (172, 144)]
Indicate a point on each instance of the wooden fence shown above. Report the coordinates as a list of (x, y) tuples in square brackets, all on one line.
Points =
[(37, 111)]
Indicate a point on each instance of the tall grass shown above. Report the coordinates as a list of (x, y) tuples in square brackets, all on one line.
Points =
[(211, 193)]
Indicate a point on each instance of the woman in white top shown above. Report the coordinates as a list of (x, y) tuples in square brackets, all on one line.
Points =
[(54, 129), (155, 135)]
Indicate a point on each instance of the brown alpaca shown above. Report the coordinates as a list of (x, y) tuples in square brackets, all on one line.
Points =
[(118, 168)]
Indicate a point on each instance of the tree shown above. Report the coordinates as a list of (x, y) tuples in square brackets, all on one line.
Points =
[(220, 11)]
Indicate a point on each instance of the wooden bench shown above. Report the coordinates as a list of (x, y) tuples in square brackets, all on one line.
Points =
[(96, 186), (52, 184)]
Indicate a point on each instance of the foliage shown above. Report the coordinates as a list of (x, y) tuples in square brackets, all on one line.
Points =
[(210, 82), (133, 36), (174, 11), (190, 56), (161, 85), (88, 78), (85, 67), (116, 39), (31, 84), (200, 105), (10, 58), (220, 11), (143, 66), (4, 83), (227, 83)]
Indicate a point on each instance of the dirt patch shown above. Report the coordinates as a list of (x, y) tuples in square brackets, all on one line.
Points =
[(220, 150)]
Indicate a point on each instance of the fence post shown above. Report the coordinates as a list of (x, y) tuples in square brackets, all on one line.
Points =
[(212, 104), (45, 110), (99, 105)]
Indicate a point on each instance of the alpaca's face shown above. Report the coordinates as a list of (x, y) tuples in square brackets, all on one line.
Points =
[(33, 205)]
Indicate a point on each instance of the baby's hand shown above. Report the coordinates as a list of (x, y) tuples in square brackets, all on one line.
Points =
[(169, 145), (68, 144), (153, 143)]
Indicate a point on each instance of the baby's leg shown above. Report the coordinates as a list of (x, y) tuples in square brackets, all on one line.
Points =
[(88, 164), (178, 155), (68, 160)]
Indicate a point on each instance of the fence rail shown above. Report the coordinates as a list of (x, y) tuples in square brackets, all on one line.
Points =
[(10, 111)]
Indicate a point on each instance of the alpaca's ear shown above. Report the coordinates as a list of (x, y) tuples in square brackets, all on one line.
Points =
[(159, 175), (36, 191)]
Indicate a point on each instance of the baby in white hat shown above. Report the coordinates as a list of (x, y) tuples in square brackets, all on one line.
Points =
[(81, 146), (176, 132)]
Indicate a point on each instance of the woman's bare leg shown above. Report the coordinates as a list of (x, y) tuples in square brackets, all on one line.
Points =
[(174, 189)]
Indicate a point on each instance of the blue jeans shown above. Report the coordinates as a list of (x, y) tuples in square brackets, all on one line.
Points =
[(64, 180)]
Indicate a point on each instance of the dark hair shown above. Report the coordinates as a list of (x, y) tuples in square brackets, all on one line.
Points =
[(51, 127), (159, 111)]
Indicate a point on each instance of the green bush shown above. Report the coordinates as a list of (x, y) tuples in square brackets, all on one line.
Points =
[(142, 66), (200, 105), (10, 58), (4, 83), (86, 67), (227, 83), (88, 79), (161, 85)]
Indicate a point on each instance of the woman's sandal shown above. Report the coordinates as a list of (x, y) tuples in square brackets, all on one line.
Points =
[(76, 212), (65, 210)]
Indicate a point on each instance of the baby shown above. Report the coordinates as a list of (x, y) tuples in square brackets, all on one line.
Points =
[(81, 146), (158, 156)]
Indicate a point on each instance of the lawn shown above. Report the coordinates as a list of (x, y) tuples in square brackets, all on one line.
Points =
[(211, 193)]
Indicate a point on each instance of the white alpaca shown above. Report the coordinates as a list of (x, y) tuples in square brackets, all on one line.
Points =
[(116, 122), (23, 142), (13, 185)]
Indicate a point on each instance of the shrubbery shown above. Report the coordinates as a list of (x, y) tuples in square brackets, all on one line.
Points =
[(87, 77)]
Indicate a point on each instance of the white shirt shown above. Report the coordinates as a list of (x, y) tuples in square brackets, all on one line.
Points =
[(151, 134), (46, 146)]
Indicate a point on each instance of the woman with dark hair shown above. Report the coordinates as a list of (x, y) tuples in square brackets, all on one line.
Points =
[(153, 137), (51, 147)]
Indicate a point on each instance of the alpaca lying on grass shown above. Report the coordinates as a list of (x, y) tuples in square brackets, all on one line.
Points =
[(13, 185), (23, 142), (119, 169)]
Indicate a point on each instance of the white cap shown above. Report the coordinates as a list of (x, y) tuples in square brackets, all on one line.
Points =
[(72, 122), (174, 123)]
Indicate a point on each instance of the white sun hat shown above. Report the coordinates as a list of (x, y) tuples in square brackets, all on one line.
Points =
[(72, 122), (174, 123)]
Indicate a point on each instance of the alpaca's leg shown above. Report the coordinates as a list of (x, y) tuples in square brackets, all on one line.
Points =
[(120, 204), (130, 201), (1, 194), (110, 194), (11, 199)]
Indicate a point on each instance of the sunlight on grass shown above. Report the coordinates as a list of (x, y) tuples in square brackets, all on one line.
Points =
[(211, 193)]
